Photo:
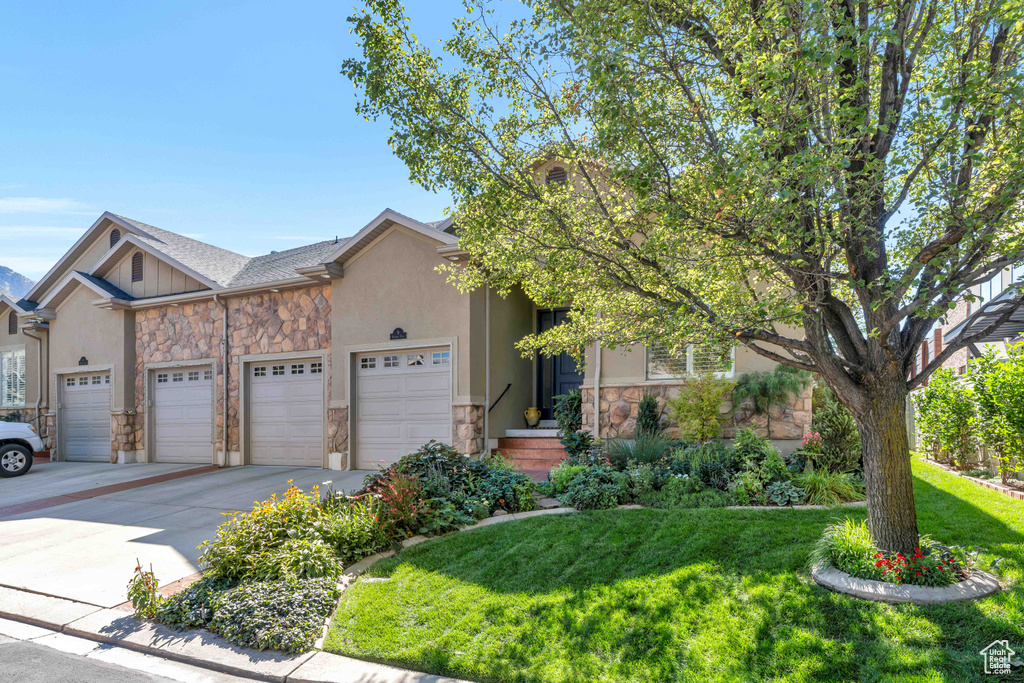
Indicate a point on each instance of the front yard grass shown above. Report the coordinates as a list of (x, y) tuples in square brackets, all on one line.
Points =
[(692, 595)]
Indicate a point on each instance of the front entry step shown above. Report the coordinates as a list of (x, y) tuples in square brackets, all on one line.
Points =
[(531, 433), (533, 451)]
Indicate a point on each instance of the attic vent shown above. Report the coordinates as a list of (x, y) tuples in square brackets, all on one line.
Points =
[(137, 267), (115, 237), (557, 175), (12, 323)]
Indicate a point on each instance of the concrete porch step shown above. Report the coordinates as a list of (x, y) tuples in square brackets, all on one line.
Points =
[(537, 442), (530, 433)]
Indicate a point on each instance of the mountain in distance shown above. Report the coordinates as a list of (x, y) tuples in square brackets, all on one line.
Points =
[(14, 285)]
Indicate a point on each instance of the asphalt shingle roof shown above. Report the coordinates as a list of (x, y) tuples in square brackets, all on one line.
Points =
[(219, 265), (281, 265), (114, 292)]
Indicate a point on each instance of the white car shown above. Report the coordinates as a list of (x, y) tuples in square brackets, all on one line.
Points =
[(18, 443)]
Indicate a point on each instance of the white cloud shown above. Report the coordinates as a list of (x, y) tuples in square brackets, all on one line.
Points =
[(32, 267), (41, 205)]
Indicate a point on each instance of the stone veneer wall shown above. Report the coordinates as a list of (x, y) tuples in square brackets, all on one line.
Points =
[(123, 430), (468, 428), (337, 430), (272, 322), (619, 405)]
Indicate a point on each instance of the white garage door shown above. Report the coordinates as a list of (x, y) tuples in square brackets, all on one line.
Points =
[(286, 425), (86, 421), (183, 415), (404, 399)]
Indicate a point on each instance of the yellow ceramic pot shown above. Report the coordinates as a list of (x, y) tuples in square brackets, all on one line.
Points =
[(532, 416)]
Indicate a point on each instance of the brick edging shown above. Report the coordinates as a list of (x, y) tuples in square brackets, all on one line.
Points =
[(1012, 493)]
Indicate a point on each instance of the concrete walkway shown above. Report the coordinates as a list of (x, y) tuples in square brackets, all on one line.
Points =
[(86, 550)]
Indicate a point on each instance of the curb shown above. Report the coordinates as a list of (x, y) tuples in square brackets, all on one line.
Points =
[(979, 585)]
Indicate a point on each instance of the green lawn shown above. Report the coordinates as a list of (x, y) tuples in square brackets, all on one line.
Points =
[(698, 595)]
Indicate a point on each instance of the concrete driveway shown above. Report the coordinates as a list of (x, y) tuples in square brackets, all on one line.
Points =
[(86, 550)]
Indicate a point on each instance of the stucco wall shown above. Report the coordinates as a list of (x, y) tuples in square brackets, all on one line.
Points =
[(393, 283), (628, 364), (512, 318), (90, 256), (104, 338), (32, 384)]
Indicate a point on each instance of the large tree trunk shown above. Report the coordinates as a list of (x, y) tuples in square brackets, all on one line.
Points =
[(890, 484)]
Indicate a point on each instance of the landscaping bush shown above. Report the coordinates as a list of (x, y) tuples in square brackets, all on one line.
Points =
[(581, 448), (826, 488), (568, 412), (848, 547), (784, 493), (357, 527), (143, 592), (193, 606), (999, 389), (648, 416), (713, 463), (505, 489), (401, 495), (948, 409), (697, 410), (752, 449), (232, 554), (643, 449), (281, 615), (562, 475), (642, 479), (765, 390), (840, 438), (434, 465), (296, 558), (595, 488)]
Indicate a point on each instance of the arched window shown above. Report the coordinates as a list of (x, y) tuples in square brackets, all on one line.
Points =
[(12, 323), (115, 237), (137, 267), (558, 175)]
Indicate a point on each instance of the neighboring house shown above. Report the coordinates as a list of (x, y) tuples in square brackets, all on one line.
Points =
[(154, 347), (990, 294)]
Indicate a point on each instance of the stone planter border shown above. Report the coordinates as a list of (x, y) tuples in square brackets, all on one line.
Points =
[(995, 486), (979, 585)]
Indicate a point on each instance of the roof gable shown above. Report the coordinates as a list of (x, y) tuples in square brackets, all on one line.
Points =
[(379, 225), (130, 243)]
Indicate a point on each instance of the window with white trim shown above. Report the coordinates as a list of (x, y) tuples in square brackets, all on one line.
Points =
[(83, 381), (391, 361), (663, 364), (440, 358), (161, 378), (207, 375), (69, 381), (259, 371), (178, 377), (193, 376), (298, 369), (414, 360), (368, 363), (992, 288), (12, 377), (97, 379), (316, 368), (277, 370)]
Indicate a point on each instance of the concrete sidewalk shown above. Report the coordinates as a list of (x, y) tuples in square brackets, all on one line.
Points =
[(50, 479)]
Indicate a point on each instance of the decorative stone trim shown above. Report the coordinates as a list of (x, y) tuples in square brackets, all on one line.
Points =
[(468, 428), (979, 585), (124, 432), (337, 430), (620, 404)]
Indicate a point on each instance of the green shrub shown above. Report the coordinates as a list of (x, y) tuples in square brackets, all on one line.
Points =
[(296, 558), (848, 547), (505, 490), (280, 615), (697, 410), (999, 389), (562, 474), (773, 469), (840, 437), (581, 447), (751, 448), (642, 479), (357, 528), (568, 412), (826, 488), (783, 493), (437, 466), (143, 592), (765, 390), (243, 543), (648, 416), (681, 497), (595, 488), (714, 463), (642, 449), (193, 606), (948, 407)]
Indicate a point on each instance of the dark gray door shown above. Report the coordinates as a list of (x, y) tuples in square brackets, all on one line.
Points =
[(556, 375)]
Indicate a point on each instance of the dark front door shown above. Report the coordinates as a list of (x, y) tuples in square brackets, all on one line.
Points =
[(556, 375)]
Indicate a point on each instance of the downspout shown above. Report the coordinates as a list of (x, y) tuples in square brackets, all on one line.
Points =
[(597, 389), (487, 371), (39, 374), (224, 382)]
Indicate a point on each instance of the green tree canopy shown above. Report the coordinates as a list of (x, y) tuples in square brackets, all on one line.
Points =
[(816, 180)]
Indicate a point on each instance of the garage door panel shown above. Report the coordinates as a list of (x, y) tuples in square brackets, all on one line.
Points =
[(183, 415), (86, 417), (400, 404), (286, 414)]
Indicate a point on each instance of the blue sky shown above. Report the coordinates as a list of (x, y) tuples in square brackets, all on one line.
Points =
[(226, 121)]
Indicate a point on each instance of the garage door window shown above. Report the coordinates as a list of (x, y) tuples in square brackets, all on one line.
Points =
[(278, 371), (316, 368), (161, 378), (415, 360), (259, 371), (391, 361), (368, 363), (441, 358), (298, 369)]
